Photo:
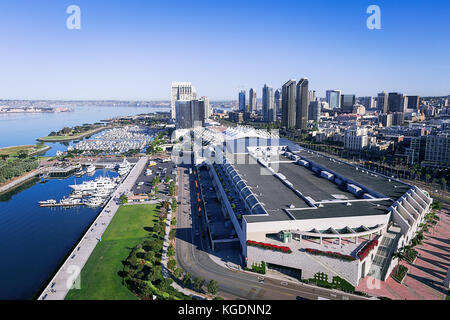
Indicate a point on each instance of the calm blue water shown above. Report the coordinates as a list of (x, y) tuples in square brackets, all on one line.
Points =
[(34, 240), (23, 129)]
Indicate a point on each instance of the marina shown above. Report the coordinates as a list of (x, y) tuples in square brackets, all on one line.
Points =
[(91, 193), (29, 232), (116, 141)]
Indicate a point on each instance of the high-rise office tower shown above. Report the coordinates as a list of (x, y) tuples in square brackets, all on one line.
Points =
[(367, 102), (311, 95), (242, 106), (252, 101), (288, 104), (190, 113), (181, 91), (301, 110), (347, 102), (413, 102), (334, 99), (207, 107), (404, 103), (395, 102), (198, 113), (314, 110), (382, 102), (277, 97), (268, 104)]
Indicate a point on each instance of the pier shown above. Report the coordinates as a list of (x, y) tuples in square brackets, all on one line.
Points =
[(61, 205), (67, 275)]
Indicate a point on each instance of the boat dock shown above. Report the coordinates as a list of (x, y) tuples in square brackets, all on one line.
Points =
[(61, 204)]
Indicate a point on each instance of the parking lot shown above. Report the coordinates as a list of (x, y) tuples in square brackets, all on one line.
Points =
[(155, 168)]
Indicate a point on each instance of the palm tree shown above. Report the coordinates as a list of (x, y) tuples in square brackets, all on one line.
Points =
[(399, 255), (444, 183)]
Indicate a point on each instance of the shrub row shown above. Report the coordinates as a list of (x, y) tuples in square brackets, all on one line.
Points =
[(364, 252), (330, 254), (268, 246)]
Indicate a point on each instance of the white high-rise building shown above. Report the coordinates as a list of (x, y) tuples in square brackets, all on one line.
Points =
[(181, 91), (207, 107)]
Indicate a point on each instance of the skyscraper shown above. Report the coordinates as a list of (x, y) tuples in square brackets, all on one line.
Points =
[(288, 104), (367, 102), (395, 102), (190, 113), (242, 106), (314, 110), (413, 102), (277, 97), (382, 102), (334, 99), (268, 104), (181, 91), (347, 102), (301, 110), (252, 101)]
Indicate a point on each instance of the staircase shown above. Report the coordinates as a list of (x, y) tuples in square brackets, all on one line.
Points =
[(387, 247)]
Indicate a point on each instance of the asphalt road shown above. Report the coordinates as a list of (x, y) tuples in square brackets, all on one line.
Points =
[(192, 256)]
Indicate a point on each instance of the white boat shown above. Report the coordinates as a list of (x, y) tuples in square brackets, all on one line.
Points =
[(124, 167), (80, 172), (69, 201), (51, 201), (94, 202), (99, 183), (90, 169)]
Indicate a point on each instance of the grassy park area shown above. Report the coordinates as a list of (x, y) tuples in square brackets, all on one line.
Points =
[(16, 151), (100, 279), (70, 135)]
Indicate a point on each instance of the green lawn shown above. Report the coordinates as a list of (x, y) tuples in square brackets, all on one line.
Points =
[(99, 277), (14, 151)]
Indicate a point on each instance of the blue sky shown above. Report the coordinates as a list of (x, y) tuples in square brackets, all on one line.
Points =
[(134, 49)]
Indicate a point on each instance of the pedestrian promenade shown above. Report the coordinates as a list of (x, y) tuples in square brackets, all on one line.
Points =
[(426, 274), (67, 276)]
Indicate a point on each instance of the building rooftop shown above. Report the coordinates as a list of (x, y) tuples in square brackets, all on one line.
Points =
[(310, 195), (391, 189)]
